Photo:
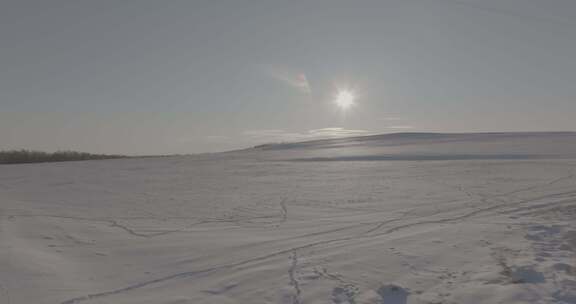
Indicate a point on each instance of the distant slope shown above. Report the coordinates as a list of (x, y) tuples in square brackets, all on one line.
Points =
[(429, 146)]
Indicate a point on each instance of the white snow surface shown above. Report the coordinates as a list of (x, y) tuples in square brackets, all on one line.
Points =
[(391, 219)]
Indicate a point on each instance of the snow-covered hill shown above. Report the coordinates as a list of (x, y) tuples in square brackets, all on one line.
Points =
[(393, 219), (433, 146)]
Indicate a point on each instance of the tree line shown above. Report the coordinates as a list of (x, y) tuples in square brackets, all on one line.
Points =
[(30, 156)]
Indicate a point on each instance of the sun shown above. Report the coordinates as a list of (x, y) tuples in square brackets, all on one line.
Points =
[(345, 99)]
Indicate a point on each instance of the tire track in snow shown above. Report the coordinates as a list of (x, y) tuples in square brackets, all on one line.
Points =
[(237, 264), (515, 208), (111, 222), (208, 270), (283, 210), (384, 223), (549, 183), (364, 235), (293, 280), (197, 272)]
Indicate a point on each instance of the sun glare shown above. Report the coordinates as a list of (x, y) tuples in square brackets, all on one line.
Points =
[(345, 99)]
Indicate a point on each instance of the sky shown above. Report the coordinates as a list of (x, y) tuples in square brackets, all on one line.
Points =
[(162, 77)]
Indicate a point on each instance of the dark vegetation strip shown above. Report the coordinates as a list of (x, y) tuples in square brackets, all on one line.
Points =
[(29, 156)]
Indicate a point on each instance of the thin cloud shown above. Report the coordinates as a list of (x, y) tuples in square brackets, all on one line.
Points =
[(337, 132), (275, 135), (400, 127), (207, 138)]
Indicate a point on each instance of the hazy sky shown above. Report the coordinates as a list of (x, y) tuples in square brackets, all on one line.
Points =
[(146, 77)]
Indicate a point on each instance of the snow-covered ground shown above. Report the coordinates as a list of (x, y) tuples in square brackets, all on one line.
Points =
[(413, 218)]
